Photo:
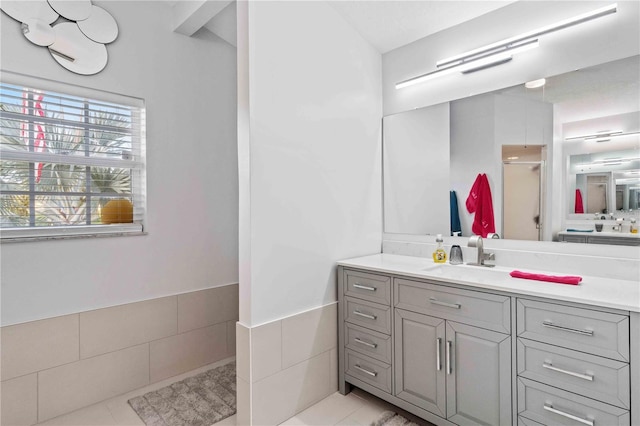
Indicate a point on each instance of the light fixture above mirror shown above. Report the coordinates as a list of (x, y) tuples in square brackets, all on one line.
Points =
[(502, 51), (75, 32)]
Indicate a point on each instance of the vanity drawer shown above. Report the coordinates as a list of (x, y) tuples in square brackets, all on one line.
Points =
[(588, 375), (585, 330), (368, 342), (551, 406), (368, 370), (375, 288), (370, 315), (484, 310)]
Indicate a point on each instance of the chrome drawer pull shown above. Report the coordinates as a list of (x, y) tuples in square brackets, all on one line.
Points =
[(448, 356), (365, 371), (438, 363), (550, 408), (448, 305), (364, 287), (572, 330), (570, 373), (371, 317), (362, 342)]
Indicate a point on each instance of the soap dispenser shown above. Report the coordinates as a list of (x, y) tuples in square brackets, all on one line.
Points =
[(440, 255)]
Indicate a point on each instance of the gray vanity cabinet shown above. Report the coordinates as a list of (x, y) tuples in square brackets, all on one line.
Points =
[(456, 355), (419, 368), (478, 369), (441, 352), (456, 371), (573, 365)]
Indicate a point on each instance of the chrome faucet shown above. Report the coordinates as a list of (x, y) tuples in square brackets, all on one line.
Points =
[(476, 241)]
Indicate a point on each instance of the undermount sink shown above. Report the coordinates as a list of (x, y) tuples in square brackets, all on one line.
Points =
[(466, 272)]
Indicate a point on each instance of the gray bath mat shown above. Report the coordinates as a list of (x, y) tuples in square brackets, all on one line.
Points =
[(200, 400), (389, 418)]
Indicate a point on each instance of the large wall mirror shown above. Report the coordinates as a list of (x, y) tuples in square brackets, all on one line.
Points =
[(540, 147)]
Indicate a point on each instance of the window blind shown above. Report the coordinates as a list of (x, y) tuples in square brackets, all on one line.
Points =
[(72, 162)]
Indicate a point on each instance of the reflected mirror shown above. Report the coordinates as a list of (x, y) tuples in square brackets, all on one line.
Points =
[(540, 148)]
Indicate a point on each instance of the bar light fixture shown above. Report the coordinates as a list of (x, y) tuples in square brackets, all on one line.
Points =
[(502, 51), (604, 136)]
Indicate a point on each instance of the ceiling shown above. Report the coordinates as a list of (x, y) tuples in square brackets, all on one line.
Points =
[(617, 78), (390, 24), (385, 24)]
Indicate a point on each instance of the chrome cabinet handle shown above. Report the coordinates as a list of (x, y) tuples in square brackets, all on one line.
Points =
[(364, 287), (362, 342), (448, 305), (364, 370), (550, 366), (569, 329), (371, 317), (438, 363), (550, 408), (448, 356)]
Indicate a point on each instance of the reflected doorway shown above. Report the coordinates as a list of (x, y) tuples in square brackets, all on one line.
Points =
[(522, 191)]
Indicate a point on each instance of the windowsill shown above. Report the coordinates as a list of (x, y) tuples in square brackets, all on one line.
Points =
[(71, 232)]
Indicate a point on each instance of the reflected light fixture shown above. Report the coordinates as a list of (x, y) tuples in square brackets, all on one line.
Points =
[(603, 136), (535, 83), (502, 51)]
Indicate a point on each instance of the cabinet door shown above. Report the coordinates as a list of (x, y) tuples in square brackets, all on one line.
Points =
[(419, 360), (478, 367)]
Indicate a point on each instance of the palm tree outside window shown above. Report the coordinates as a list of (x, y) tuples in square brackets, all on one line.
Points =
[(64, 158)]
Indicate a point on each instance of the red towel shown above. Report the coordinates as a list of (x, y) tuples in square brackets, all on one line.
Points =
[(472, 199), (479, 201), (562, 279), (579, 208)]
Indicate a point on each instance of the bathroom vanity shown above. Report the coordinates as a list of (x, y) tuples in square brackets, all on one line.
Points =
[(614, 238), (459, 344)]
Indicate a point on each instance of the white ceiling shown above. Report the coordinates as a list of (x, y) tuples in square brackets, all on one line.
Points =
[(390, 24), (612, 79)]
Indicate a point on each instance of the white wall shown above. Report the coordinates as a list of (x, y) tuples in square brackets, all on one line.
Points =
[(312, 181), (189, 88), (480, 126), (602, 40), (474, 151), (416, 171)]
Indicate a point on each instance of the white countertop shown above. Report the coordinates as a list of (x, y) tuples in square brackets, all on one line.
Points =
[(596, 291)]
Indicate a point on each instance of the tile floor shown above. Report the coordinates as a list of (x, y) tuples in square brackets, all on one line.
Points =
[(358, 408)]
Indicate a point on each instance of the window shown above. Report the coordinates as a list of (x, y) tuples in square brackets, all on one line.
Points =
[(72, 161)]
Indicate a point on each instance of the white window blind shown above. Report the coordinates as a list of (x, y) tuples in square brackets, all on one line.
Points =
[(72, 161)]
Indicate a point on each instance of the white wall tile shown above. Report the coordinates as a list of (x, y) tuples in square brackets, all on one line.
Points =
[(119, 327), (333, 371), (19, 405), (183, 352), (243, 402), (85, 382), (308, 334), (207, 307), (243, 352), (282, 395), (266, 350), (37, 345)]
